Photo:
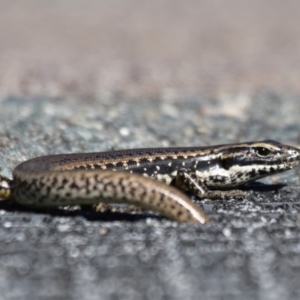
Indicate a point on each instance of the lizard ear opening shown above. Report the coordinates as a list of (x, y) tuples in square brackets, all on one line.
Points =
[(228, 161)]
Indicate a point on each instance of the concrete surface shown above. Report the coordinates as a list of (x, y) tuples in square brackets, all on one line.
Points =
[(91, 76)]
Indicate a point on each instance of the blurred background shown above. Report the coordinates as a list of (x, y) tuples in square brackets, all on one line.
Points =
[(146, 48)]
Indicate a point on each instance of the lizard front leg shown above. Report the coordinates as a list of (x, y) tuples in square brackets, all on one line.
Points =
[(187, 180)]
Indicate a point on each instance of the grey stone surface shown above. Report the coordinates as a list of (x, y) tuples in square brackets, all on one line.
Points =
[(249, 250)]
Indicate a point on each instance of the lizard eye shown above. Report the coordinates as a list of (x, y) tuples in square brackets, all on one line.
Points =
[(262, 152)]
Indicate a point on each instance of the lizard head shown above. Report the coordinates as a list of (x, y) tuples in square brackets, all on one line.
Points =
[(249, 161)]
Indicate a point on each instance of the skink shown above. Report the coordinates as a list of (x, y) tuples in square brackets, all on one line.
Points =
[(151, 178)]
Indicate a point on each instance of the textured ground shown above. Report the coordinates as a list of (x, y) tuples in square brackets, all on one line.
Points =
[(94, 76)]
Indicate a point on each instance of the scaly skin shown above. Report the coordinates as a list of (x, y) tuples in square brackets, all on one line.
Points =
[(115, 176)]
